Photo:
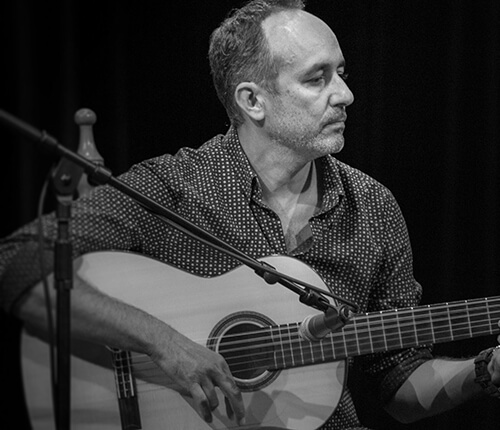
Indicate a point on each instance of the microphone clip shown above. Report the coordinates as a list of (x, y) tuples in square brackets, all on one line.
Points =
[(336, 317), (316, 327), (315, 300)]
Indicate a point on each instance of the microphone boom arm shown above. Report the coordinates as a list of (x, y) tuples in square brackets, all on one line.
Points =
[(100, 175)]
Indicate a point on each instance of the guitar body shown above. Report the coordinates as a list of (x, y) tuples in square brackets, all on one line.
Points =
[(205, 310)]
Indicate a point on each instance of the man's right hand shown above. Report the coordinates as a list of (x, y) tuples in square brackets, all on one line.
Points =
[(196, 370)]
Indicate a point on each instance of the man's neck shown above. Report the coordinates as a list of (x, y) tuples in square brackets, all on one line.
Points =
[(281, 171), (289, 186)]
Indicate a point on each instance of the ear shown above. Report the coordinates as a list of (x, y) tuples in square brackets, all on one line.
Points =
[(250, 99)]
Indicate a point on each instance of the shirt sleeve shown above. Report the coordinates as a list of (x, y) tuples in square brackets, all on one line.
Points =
[(96, 224), (395, 287), (23, 263)]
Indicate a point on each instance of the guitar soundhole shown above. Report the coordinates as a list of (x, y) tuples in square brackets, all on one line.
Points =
[(244, 340)]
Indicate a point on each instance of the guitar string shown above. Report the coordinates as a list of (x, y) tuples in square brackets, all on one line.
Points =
[(158, 380), (396, 321), (300, 342), (387, 325), (397, 338), (297, 347), (152, 378), (396, 325), (155, 377)]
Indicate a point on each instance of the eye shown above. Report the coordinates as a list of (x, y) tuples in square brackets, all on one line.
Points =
[(343, 75), (317, 80)]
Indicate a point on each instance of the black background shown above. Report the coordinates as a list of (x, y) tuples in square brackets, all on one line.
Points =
[(425, 122)]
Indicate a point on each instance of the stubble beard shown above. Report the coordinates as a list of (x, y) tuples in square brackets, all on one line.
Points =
[(308, 143)]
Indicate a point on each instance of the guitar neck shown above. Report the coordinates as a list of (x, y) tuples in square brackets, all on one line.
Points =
[(390, 330)]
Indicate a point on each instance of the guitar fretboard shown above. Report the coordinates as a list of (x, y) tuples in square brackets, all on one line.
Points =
[(389, 330)]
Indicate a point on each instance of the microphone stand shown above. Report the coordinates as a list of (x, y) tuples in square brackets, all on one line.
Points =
[(65, 181), (100, 175)]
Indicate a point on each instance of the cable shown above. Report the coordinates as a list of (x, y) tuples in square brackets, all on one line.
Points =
[(44, 274)]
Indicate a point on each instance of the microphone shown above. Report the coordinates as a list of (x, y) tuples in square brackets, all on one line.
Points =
[(315, 327)]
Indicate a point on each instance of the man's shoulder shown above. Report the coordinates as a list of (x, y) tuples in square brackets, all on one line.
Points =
[(356, 180), (187, 157)]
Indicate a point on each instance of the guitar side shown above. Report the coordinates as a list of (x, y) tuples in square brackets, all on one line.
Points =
[(299, 397)]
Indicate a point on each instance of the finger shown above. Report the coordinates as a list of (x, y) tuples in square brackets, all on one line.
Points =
[(494, 367), (229, 409), (233, 398), (201, 402), (211, 394), (495, 375)]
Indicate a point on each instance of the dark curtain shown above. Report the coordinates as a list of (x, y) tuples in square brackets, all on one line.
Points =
[(425, 123)]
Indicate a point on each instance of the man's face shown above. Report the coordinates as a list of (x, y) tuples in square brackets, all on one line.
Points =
[(308, 114)]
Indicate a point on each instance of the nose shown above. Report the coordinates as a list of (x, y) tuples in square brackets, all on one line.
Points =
[(341, 94)]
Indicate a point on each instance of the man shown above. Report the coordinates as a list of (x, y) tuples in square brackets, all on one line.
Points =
[(269, 186)]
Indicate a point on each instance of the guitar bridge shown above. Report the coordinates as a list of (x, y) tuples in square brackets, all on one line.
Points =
[(128, 402)]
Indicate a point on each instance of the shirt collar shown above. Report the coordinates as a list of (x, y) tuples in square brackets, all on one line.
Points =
[(332, 183), (244, 171)]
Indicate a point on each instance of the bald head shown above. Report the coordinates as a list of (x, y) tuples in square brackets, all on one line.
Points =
[(294, 34)]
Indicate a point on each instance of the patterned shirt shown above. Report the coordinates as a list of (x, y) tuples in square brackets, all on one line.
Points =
[(360, 245)]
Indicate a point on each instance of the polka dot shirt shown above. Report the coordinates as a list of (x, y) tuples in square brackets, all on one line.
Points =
[(360, 245)]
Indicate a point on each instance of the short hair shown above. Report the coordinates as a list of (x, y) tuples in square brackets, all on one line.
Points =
[(239, 51)]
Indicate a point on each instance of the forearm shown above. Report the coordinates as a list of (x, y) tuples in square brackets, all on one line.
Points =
[(192, 368), (436, 386), (97, 318)]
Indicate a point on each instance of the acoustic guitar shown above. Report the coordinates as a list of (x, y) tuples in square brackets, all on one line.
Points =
[(287, 382)]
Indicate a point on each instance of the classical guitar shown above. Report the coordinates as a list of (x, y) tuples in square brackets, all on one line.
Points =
[(287, 382)]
